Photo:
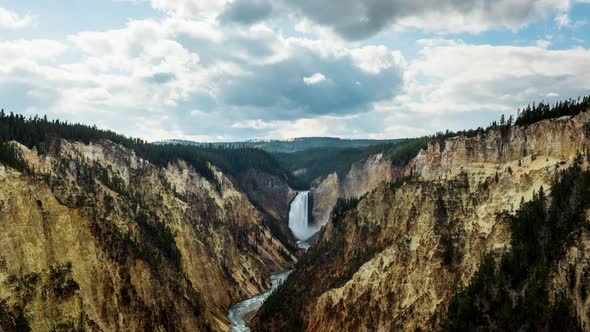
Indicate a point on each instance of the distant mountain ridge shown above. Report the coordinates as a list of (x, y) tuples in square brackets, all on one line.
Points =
[(291, 145)]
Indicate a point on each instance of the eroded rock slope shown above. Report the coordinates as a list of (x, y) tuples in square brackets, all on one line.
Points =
[(393, 260), (98, 239)]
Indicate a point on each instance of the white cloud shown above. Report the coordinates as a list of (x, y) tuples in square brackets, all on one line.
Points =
[(314, 79), (155, 67), (285, 129), (361, 19), (542, 43), (21, 50), (192, 67), (140, 66), (375, 58), (12, 20), (255, 124), (562, 20), (477, 16), (135, 70), (357, 20), (190, 8), (452, 76)]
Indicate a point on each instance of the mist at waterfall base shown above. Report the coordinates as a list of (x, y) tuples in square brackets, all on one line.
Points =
[(299, 219)]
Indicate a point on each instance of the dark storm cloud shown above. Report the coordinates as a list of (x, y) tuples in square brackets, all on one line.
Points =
[(356, 20), (246, 12), (361, 19), (269, 84), (280, 88)]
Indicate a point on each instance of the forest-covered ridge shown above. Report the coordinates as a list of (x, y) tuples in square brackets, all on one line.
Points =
[(309, 158), (44, 135), (292, 145), (311, 164), (316, 163)]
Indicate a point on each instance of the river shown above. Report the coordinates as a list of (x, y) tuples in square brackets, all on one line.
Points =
[(299, 225), (238, 311)]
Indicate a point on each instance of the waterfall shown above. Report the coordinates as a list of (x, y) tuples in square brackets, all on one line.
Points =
[(299, 225), (299, 217)]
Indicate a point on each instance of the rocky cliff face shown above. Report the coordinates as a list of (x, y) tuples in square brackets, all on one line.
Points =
[(558, 139), (393, 262), (101, 240), (272, 196), (362, 177), (271, 193)]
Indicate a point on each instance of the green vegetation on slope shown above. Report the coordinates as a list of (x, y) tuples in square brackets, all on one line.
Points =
[(318, 163), (483, 305), (44, 134), (526, 116), (512, 295), (544, 111), (315, 163), (9, 156), (292, 145), (400, 154)]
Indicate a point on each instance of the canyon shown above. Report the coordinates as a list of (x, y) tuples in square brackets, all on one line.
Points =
[(394, 260), (97, 237)]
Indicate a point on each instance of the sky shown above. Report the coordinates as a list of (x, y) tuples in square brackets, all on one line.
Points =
[(229, 70)]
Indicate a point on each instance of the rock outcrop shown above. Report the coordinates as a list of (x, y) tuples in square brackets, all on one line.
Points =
[(272, 196), (394, 261), (363, 176), (557, 139), (98, 239), (271, 193)]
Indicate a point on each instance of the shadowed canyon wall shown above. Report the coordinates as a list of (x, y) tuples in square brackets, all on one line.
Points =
[(99, 239)]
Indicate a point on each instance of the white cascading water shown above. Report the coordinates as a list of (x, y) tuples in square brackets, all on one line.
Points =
[(299, 217), (299, 225)]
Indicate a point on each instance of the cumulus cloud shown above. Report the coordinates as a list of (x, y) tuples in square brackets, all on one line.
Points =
[(361, 19), (220, 69), (164, 67), (246, 12), (133, 63), (453, 77), (190, 8), (279, 88), (284, 129), (22, 50), (12, 20), (93, 76), (314, 79)]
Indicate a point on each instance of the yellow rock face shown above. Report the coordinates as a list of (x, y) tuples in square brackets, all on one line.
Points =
[(362, 177), (99, 239), (393, 263)]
